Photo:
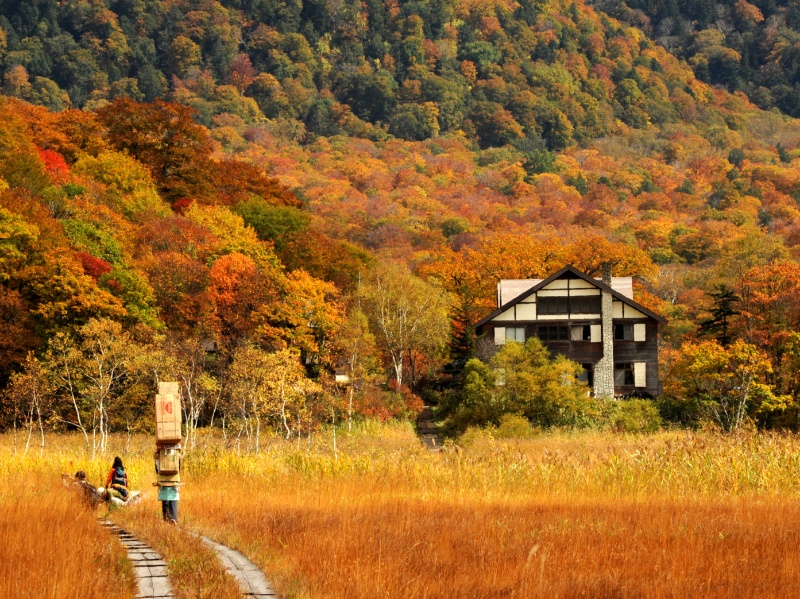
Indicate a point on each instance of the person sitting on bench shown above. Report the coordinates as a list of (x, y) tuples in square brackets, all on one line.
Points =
[(117, 479)]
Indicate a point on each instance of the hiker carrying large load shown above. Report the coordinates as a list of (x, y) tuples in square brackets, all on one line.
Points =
[(168, 449)]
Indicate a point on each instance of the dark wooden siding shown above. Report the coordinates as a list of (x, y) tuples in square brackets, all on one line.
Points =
[(586, 352), (639, 351)]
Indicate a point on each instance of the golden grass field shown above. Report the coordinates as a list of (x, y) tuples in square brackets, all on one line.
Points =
[(583, 514), (50, 546)]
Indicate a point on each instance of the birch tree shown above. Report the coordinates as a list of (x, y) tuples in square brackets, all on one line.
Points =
[(270, 387), (245, 386), (63, 361), (357, 348), (728, 382), (92, 370), (190, 367), (29, 394), (408, 315)]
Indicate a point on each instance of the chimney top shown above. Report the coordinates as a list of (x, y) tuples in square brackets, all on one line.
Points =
[(606, 270)]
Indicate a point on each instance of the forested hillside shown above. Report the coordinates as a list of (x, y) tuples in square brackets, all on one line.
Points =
[(752, 47), (541, 75), (245, 196)]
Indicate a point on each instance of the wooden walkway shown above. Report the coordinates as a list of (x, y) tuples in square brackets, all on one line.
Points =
[(426, 428), (249, 577), (149, 568)]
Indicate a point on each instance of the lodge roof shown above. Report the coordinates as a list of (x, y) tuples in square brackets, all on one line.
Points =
[(571, 270)]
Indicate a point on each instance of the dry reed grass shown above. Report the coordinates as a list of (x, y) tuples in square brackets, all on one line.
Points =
[(474, 549), (52, 546), (561, 515), (31, 491)]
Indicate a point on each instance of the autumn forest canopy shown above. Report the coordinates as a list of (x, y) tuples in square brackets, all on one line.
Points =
[(253, 197)]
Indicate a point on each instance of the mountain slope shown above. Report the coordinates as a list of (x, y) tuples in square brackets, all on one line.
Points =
[(542, 75)]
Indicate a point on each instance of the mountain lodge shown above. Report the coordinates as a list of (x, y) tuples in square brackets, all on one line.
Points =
[(593, 322)]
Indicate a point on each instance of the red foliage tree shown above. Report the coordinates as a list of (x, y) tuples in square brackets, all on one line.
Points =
[(237, 181), (92, 266), (54, 163)]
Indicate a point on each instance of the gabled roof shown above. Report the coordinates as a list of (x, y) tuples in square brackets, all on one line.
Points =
[(508, 289), (569, 269)]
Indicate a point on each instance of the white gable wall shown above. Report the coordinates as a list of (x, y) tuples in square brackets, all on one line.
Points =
[(526, 311), (510, 289), (506, 316), (557, 284)]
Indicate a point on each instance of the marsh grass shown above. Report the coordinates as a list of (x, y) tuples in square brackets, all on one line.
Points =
[(469, 548), (52, 546), (559, 514)]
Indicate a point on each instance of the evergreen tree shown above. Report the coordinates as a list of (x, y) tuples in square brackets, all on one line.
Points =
[(725, 301)]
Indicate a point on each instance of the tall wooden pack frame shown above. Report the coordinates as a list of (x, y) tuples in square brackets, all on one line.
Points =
[(168, 433)]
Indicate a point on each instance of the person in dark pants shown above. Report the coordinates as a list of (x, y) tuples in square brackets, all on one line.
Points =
[(168, 495)]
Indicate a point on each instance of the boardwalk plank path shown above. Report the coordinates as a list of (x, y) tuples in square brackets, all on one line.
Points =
[(249, 577), (426, 428), (149, 568)]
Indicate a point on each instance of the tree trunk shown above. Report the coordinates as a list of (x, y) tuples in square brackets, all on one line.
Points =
[(102, 427), (283, 405), (94, 433), (30, 430), (41, 427), (258, 432), (77, 410), (214, 413), (350, 409), (397, 362), (333, 418)]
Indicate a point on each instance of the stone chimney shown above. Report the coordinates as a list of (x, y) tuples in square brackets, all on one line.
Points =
[(604, 369)]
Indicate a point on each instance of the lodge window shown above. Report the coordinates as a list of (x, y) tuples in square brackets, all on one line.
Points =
[(581, 332), (515, 334), (623, 374), (553, 333), (574, 304), (584, 304), (623, 331), (549, 304)]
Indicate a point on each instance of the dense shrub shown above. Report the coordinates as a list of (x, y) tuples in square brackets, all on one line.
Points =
[(635, 416), (521, 380), (513, 426)]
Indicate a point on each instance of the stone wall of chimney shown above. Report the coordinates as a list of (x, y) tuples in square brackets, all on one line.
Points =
[(604, 369)]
